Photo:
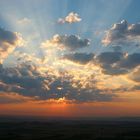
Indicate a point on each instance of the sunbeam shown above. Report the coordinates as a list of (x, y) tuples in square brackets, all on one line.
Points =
[(67, 52)]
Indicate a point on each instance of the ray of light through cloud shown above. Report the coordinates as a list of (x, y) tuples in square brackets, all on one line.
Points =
[(70, 52)]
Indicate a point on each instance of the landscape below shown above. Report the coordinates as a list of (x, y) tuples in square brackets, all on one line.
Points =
[(69, 129)]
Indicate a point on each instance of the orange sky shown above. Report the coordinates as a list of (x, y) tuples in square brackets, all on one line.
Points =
[(118, 108)]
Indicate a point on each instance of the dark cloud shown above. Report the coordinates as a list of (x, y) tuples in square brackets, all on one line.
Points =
[(110, 70), (115, 63), (71, 42), (81, 58), (28, 82), (130, 61), (7, 36), (8, 42), (109, 57)]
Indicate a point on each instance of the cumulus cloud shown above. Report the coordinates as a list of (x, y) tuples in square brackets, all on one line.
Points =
[(130, 61), (70, 42), (114, 63), (109, 62), (122, 33), (8, 42), (82, 58), (109, 57), (71, 18)]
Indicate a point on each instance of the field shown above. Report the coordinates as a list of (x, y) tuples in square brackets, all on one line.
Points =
[(62, 129)]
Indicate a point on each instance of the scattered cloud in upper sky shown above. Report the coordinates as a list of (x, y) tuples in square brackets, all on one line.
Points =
[(124, 34), (70, 18), (24, 21)]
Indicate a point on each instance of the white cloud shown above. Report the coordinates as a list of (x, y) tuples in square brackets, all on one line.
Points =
[(24, 21), (71, 18)]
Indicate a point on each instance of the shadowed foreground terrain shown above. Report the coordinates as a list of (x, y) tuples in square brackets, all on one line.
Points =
[(62, 129)]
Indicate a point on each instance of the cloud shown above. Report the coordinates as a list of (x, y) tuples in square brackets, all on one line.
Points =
[(82, 58), (24, 21), (115, 63), (8, 42), (130, 61), (123, 34), (71, 18), (9, 98), (109, 57), (135, 75), (70, 42), (26, 80)]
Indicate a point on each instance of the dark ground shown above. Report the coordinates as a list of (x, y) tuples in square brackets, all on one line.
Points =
[(62, 129)]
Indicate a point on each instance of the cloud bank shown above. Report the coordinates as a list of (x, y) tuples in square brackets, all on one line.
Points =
[(67, 71)]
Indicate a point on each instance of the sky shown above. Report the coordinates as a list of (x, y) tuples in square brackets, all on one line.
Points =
[(70, 58)]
